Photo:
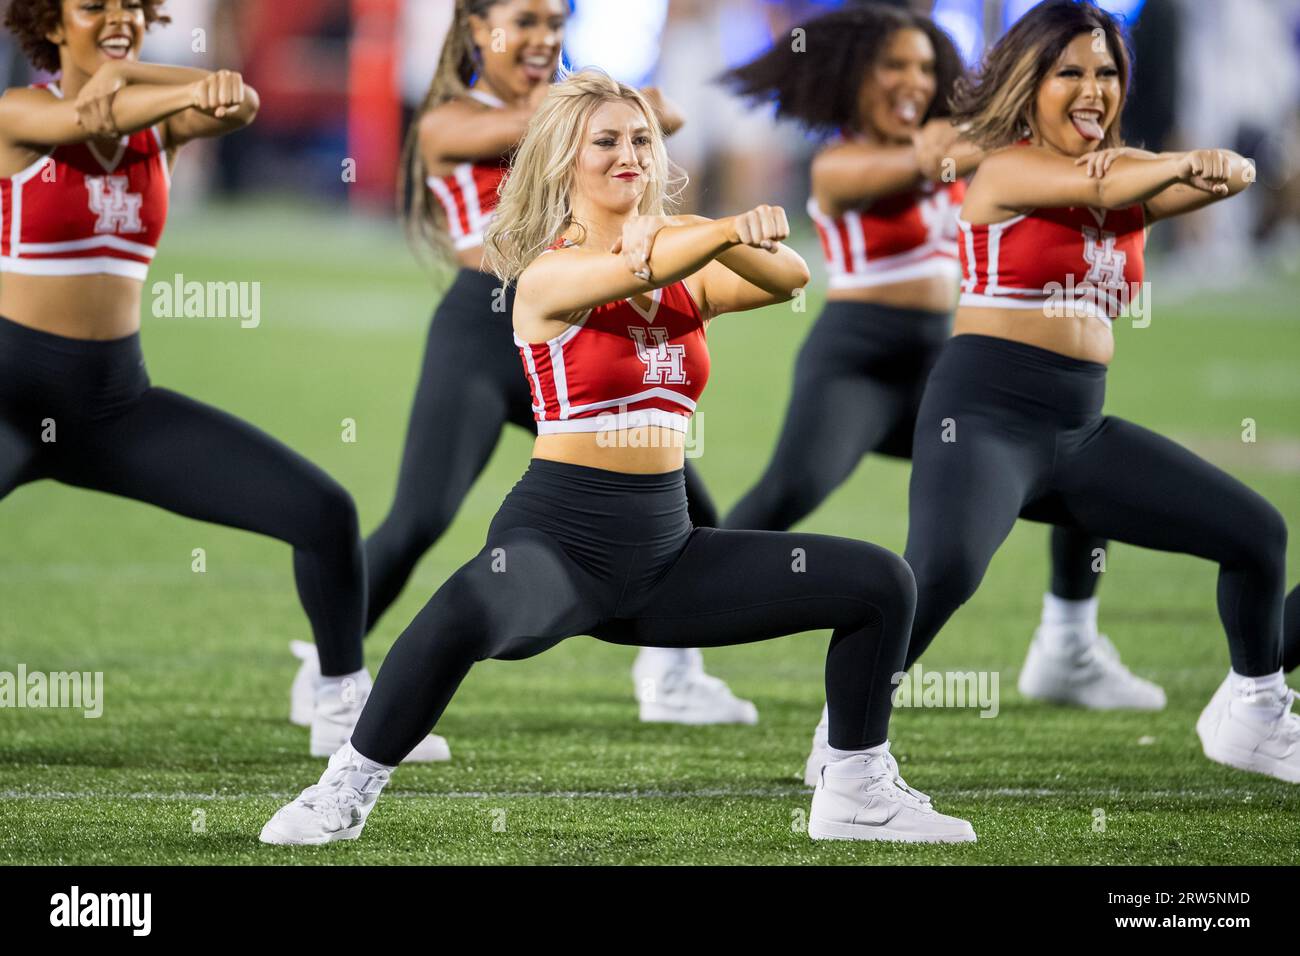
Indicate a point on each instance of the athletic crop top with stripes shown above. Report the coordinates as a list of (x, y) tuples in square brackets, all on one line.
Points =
[(909, 235), (469, 195), (621, 366), (77, 211), (1078, 259)]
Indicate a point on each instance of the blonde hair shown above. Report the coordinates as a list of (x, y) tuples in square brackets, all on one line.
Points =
[(536, 203), (999, 104), (425, 219)]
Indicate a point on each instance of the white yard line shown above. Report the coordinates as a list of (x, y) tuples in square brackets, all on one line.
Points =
[(1113, 793)]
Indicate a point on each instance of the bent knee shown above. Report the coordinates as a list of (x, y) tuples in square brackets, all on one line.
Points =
[(1260, 536), (948, 574)]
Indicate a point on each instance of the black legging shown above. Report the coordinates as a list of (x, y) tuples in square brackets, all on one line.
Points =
[(1007, 429), (858, 382), (83, 413), (577, 550), (471, 384)]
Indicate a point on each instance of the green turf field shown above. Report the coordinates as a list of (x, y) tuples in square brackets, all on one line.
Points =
[(194, 750)]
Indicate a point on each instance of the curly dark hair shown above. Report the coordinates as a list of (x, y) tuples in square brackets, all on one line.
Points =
[(31, 20), (818, 85)]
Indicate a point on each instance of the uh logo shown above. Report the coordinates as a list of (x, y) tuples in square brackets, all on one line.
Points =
[(117, 209), (664, 363)]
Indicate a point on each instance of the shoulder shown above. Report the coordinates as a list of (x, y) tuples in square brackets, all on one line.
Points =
[(431, 128), (435, 121), (548, 262), (1008, 160), (19, 97)]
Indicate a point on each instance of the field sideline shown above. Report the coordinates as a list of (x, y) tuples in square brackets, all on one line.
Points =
[(194, 750)]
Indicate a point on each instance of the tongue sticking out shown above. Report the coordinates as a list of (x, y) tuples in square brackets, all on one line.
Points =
[(1088, 127)]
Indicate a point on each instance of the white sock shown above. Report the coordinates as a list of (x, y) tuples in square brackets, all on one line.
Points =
[(1068, 626), (1250, 686), (1259, 700), (1060, 612), (663, 659), (367, 765), (361, 678), (876, 751)]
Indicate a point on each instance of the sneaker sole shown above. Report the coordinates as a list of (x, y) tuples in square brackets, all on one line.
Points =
[(276, 838), (1053, 696), (818, 830), (1249, 760)]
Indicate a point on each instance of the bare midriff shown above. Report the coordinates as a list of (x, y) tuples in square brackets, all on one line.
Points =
[(649, 450), (1083, 337), (98, 307), (933, 294)]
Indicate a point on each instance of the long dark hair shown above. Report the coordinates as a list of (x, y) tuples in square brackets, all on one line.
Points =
[(815, 79), (457, 65), (999, 103)]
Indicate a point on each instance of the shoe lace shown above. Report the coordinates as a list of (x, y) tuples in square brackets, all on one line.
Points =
[(340, 793), (1290, 720), (890, 781), (1106, 654)]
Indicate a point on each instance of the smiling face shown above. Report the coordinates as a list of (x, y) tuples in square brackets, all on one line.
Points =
[(898, 90), (615, 158), (1079, 98), (520, 42), (93, 32)]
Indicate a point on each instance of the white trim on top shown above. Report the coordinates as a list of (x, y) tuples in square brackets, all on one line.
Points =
[(665, 393), (94, 242), (539, 411), (640, 418), (649, 315), (486, 98), (857, 240), (1079, 306), (932, 266), (449, 206), (464, 173), (29, 172), (109, 166), (830, 231), (558, 374), (106, 265), (162, 155)]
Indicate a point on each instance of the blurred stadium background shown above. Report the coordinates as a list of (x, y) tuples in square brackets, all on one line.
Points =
[(194, 750)]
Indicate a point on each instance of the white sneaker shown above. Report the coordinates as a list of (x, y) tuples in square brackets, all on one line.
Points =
[(338, 707), (333, 809), (1091, 676), (673, 688), (820, 755), (864, 798), (1258, 732), (302, 694)]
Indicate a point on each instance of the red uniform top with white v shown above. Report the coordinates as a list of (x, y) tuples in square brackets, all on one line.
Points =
[(909, 235), (469, 194), (1089, 261), (621, 366), (76, 211)]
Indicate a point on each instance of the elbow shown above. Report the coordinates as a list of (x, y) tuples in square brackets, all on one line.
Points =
[(1105, 196), (800, 273), (252, 105)]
